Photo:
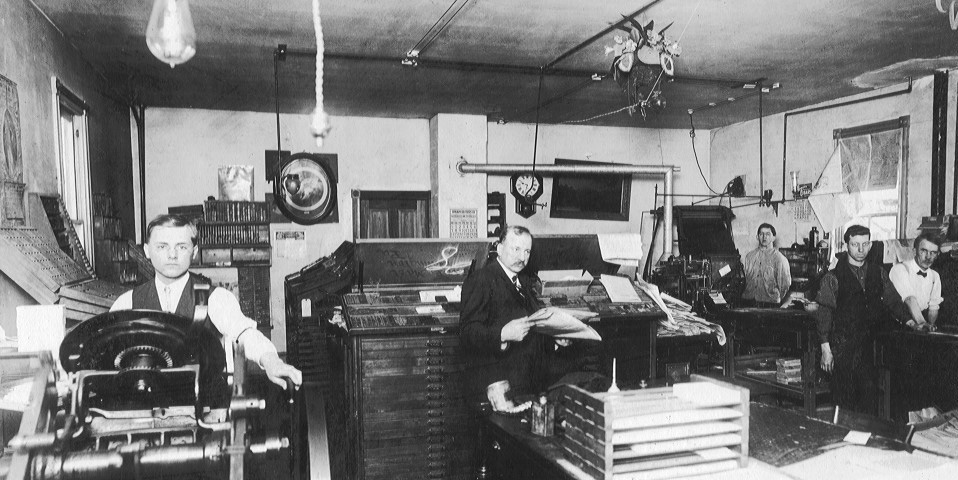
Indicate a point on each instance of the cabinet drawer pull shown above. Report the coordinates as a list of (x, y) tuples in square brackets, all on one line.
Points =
[(434, 396), (432, 370), (435, 422), (433, 361), (435, 378), (436, 448), (436, 430), (436, 456), (434, 413), (437, 473), (435, 404), (433, 343), (433, 465), (434, 387), (434, 352)]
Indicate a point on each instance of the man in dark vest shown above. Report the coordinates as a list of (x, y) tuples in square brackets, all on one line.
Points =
[(171, 246), (856, 299)]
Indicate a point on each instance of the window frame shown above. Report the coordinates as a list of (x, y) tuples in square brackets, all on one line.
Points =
[(78, 199), (901, 123)]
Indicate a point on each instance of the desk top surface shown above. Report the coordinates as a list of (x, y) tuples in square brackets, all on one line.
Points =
[(778, 437)]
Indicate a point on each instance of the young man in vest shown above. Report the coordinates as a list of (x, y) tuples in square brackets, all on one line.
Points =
[(856, 300), (171, 246)]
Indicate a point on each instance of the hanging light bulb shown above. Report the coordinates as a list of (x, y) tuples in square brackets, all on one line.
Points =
[(170, 33)]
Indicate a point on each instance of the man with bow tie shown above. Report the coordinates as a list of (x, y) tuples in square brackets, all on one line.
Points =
[(918, 285)]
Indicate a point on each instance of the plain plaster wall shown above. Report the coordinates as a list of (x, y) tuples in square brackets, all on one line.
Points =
[(31, 51), (734, 151), (185, 147)]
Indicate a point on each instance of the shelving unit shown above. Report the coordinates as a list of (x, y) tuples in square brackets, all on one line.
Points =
[(234, 234), (805, 264), (116, 257), (791, 333)]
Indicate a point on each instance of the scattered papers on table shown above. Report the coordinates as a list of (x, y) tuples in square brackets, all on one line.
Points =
[(686, 323), (620, 289), (934, 431)]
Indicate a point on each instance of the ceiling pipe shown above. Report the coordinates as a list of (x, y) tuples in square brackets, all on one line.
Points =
[(666, 171)]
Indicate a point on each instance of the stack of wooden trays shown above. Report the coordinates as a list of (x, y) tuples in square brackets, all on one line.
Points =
[(693, 428)]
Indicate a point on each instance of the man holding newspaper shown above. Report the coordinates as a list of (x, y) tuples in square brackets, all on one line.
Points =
[(501, 321)]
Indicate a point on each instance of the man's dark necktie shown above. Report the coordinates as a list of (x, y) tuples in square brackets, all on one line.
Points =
[(922, 273)]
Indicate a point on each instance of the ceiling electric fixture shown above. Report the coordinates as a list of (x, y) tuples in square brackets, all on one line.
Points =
[(411, 59), (170, 34)]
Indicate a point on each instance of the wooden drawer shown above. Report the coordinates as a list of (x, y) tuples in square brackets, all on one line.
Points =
[(418, 427), (407, 343), (375, 366), (426, 465), (390, 384), (401, 369), (412, 401)]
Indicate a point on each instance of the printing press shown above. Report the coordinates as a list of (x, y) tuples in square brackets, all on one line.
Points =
[(147, 397)]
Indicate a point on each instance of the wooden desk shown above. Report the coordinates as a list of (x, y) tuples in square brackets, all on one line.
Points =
[(916, 370), (798, 328), (777, 437)]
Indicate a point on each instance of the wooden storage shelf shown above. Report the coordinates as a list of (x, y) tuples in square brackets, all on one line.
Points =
[(691, 428), (792, 331)]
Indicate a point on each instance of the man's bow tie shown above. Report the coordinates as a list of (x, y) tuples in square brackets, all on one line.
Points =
[(922, 273)]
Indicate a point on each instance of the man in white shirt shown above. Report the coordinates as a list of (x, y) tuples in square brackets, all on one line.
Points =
[(171, 246), (918, 285), (767, 273)]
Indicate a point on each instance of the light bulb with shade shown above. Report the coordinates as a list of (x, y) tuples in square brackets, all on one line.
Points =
[(170, 34)]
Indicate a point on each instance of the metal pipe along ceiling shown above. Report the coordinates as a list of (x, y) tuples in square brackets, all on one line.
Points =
[(667, 171)]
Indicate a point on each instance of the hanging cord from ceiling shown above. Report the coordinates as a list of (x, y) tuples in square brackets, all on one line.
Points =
[(695, 153), (535, 142), (434, 32), (319, 126)]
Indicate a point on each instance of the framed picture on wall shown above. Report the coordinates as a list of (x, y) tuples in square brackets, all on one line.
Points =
[(590, 197)]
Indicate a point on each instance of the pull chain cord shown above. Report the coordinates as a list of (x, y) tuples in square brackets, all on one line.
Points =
[(320, 124)]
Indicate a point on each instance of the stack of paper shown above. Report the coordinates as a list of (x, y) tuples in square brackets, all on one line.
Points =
[(788, 370)]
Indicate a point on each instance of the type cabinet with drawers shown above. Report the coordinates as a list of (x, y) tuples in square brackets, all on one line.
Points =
[(407, 417)]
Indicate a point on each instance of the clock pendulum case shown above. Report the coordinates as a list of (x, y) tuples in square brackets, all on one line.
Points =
[(527, 188)]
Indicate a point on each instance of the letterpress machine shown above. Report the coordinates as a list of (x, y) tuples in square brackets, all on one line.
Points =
[(147, 398)]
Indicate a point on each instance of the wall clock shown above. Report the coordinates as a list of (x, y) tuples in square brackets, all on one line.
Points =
[(526, 188)]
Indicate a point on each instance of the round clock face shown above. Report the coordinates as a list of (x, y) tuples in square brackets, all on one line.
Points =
[(527, 185)]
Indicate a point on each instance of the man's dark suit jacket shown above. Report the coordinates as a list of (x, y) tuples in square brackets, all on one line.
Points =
[(489, 301)]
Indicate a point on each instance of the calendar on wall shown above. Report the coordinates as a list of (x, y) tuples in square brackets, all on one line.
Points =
[(801, 210), (463, 223)]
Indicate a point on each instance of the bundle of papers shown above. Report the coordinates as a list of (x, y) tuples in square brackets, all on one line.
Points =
[(564, 323), (788, 370), (685, 323), (935, 432)]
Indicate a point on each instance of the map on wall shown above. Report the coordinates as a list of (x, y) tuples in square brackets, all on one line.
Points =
[(11, 161)]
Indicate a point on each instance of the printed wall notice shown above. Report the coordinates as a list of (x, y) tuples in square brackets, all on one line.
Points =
[(290, 244), (463, 223)]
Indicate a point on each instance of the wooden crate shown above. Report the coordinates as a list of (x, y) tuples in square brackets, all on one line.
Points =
[(691, 428)]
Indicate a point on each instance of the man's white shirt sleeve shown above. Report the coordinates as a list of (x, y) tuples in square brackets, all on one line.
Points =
[(226, 315), (899, 277)]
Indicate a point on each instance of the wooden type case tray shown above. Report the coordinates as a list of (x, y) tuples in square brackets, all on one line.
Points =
[(692, 428)]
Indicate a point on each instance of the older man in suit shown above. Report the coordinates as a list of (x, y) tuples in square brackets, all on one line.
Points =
[(498, 310)]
